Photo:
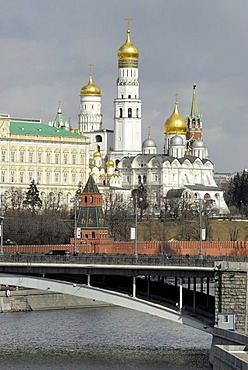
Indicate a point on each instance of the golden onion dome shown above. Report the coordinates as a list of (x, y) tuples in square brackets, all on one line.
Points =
[(90, 89), (110, 163), (97, 154), (175, 124), (128, 50)]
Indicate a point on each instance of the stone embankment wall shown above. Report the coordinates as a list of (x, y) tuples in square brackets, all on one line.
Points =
[(229, 350), (231, 292), (35, 300)]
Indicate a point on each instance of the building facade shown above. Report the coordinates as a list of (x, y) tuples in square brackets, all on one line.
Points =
[(183, 171), (54, 156)]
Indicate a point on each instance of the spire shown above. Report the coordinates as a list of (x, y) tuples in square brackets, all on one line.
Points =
[(194, 121), (176, 105), (128, 19), (90, 78), (59, 119), (149, 133), (194, 109)]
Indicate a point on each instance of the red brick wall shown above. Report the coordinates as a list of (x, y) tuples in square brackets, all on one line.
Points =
[(108, 246)]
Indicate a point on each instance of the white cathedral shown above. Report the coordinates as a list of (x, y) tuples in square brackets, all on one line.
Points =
[(120, 162)]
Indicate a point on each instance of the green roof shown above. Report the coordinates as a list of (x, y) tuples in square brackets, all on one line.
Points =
[(39, 129), (91, 187), (91, 218)]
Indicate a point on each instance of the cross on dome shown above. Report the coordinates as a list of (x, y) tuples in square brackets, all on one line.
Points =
[(128, 19)]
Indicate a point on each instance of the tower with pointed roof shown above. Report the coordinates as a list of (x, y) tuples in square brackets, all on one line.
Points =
[(91, 219), (194, 120), (127, 104), (59, 122)]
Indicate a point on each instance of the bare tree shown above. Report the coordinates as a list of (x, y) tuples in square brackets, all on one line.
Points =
[(119, 220)]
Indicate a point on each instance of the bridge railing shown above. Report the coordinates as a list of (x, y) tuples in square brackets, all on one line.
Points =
[(118, 259), (107, 259)]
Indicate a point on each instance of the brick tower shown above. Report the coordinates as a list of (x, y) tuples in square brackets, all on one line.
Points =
[(91, 219)]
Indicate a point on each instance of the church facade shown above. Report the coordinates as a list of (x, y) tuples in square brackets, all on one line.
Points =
[(183, 173)]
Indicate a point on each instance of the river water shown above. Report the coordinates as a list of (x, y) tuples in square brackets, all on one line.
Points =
[(99, 338)]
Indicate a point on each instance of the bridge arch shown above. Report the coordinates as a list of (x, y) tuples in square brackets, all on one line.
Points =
[(110, 297)]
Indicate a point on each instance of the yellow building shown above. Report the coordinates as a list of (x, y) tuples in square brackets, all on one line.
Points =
[(53, 155)]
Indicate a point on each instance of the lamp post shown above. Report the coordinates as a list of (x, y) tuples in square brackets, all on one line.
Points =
[(136, 198), (1, 233), (200, 212), (136, 226), (75, 201)]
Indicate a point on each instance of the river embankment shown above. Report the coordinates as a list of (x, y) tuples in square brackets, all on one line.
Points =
[(37, 300)]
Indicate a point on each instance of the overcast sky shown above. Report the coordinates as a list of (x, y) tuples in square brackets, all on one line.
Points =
[(46, 48)]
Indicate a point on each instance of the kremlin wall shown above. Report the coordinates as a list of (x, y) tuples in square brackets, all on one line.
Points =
[(169, 248)]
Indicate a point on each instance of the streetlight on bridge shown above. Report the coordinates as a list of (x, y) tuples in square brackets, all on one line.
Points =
[(134, 231), (75, 201), (1, 234), (208, 209)]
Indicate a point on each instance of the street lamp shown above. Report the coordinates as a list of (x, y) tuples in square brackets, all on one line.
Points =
[(208, 209), (197, 208), (135, 198), (1, 234), (136, 227), (201, 230), (75, 202)]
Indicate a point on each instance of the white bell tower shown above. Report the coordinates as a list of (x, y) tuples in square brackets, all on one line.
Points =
[(127, 105)]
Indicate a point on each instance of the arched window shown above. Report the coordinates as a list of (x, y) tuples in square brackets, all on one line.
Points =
[(129, 96), (137, 112), (120, 113), (139, 179), (85, 199), (93, 234), (129, 113), (144, 179), (98, 139)]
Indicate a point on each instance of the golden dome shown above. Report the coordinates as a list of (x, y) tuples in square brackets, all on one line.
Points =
[(90, 89), (128, 50), (110, 163), (175, 124), (97, 154)]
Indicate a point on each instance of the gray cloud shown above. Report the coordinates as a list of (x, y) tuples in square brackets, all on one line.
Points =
[(46, 48)]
